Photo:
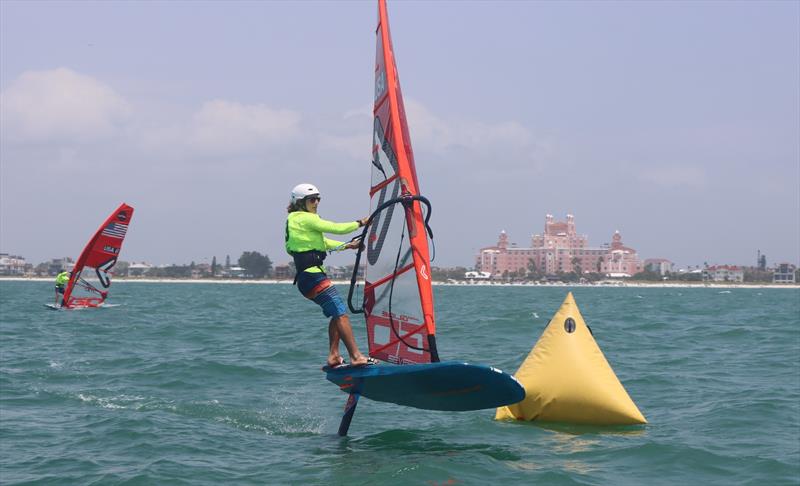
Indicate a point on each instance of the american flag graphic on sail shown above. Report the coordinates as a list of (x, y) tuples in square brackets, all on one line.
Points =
[(115, 230)]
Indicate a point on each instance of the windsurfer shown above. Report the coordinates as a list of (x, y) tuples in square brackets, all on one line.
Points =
[(61, 283), (306, 242)]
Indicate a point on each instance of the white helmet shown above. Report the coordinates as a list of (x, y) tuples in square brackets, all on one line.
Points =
[(302, 191)]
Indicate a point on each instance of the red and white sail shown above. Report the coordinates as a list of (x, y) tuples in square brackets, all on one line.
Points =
[(91, 277), (398, 298)]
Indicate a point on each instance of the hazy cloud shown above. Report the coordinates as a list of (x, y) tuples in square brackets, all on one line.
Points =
[(354, 146), (566, 115), (433, 132), (60, 105), (452, 139), (364, 111), (225, 127), (676, 176)]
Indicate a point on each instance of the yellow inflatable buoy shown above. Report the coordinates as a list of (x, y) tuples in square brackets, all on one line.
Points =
[(567, 378)]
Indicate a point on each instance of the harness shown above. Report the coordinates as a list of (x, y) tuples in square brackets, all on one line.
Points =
[(303, 260)]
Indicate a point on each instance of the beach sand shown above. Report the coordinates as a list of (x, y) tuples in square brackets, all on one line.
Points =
[(614, 283)]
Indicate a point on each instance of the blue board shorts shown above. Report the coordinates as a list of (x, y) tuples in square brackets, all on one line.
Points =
[(318, 287)]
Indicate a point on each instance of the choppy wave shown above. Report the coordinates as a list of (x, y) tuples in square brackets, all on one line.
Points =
[(228, 390)]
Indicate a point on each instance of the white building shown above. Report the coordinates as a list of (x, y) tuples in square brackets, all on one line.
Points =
[(723, 273), (237, 272), (784, 273), (477, 275), (12, 264), (661, 266), (138, 269)]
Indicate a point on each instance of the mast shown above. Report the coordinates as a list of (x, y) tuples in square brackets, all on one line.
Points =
[(408, 180)]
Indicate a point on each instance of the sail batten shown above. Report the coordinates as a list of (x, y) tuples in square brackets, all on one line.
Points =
[(401, 338), (388, 278), (382, 185)]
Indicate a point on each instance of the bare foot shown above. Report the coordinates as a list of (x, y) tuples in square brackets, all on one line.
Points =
[(361, 360), (335, 361)]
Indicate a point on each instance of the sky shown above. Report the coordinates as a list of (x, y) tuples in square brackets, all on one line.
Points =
[(675, 123)]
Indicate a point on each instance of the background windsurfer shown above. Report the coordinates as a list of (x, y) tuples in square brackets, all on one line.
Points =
[(306, 242), (61, 284)]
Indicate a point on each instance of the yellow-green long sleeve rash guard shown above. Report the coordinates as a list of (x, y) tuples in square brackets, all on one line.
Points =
[(304, 232), (62, 279)]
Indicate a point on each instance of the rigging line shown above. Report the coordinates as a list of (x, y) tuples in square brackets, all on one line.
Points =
[(430, 232), (88, 286), (404, 199), (379, 167)]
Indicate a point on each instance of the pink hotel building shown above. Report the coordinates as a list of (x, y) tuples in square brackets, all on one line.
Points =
[(560, 249)]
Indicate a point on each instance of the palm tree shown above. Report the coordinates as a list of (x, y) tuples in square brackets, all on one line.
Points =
[(533, 272), (576, 266)]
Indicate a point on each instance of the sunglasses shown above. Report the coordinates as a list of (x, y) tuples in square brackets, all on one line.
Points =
[(314, 199)]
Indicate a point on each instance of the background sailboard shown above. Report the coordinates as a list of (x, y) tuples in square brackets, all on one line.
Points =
[(91, 277)]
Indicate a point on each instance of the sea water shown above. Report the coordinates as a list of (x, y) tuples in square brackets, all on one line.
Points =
[(221, 384)]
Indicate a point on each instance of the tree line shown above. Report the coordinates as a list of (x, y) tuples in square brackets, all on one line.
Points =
[(252, 264)]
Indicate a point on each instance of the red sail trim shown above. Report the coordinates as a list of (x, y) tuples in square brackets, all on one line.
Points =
[(369, 286), (394, 342), (382, 185), (384, 98), (86, 301), (406, 168)]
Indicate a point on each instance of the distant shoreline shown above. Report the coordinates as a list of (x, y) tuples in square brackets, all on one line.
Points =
[(715, 285)]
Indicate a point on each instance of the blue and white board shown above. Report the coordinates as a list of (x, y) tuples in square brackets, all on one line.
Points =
[(101, 306), (451, 385)]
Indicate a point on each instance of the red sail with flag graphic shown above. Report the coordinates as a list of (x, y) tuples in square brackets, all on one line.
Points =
[(91, 277), (398, 298)]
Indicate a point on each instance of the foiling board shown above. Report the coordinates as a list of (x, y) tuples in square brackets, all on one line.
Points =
[(451, 385), (101, 306)]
